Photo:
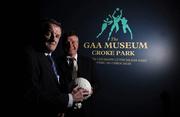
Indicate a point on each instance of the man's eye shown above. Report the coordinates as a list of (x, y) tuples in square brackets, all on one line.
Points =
[(48, 35), (57, 36)]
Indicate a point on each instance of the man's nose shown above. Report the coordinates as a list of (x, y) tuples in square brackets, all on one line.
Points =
[(52, 37)]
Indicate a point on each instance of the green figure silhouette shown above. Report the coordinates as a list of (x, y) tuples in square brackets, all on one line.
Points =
[(104, 26), (126, 26), (115, 22)]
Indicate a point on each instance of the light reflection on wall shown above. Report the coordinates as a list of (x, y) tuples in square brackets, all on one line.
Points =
[(161, 53)]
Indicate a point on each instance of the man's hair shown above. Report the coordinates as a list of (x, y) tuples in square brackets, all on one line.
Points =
[(50, 21), (45, 24)]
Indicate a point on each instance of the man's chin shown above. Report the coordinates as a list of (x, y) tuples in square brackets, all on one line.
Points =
[(51, 49)]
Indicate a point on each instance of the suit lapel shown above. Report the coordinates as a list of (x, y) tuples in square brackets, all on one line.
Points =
[(47, 65)]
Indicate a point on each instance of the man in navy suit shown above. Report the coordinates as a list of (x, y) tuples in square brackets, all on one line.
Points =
[(83, 66), (43, 92)]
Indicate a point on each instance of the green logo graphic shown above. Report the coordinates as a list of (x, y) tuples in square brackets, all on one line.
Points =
[(113, 21)]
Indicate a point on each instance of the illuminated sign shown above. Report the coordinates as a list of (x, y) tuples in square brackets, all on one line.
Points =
[(116, 22), (114, 43)]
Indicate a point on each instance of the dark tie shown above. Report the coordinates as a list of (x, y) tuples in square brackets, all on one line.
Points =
[(74, 71), (71, 62), (53, 66)]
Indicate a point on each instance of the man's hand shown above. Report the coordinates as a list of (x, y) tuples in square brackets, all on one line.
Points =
[(78, 94)]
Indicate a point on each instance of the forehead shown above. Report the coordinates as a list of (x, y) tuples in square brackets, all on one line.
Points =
[(55, 28), (72, 38)]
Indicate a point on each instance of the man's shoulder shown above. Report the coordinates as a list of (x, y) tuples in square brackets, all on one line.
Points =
[(32, 53), (85, 58), (60, 60), (29, 50)]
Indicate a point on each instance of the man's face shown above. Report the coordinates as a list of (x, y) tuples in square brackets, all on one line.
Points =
[(73, 45), (52, 37)]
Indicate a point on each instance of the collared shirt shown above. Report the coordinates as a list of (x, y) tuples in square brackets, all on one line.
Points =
[(70, 103), (54, 66), (46, 54), (74, 61)]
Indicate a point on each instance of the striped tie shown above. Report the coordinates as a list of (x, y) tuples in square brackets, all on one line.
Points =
[(53, 66), (74, 72)]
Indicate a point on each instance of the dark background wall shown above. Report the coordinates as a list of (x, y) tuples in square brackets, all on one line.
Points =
[(145, 90)]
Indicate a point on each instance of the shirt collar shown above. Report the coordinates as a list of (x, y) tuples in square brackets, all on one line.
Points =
[(76, 56), (46, 54)]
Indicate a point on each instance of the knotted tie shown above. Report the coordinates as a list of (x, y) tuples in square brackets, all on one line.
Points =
[(73, 65), (53, 66), (74, 71)]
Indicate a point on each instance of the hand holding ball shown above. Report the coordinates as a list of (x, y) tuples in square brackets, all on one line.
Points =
[(85, 84)]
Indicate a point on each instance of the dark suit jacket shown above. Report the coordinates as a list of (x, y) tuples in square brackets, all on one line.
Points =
[(86, 69), (43, 95)]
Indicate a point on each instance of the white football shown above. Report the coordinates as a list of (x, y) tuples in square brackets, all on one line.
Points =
[(85, 84)]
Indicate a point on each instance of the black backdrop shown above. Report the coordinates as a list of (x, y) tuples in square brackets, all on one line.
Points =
[(145, 90)]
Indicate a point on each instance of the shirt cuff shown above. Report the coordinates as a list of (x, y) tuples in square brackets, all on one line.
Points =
[(70, 103)]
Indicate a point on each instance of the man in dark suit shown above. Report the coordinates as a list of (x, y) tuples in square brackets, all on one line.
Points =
[(83, 66), (43, 91)]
